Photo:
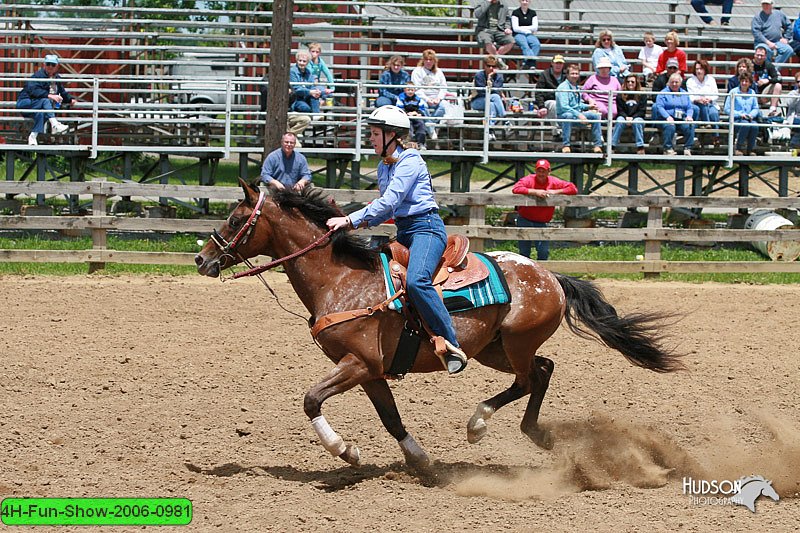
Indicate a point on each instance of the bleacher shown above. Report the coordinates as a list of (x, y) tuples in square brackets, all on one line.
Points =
[(120, 62)]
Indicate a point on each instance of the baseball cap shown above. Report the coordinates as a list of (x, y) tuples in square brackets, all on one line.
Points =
[(51, 58), (543, 163), (766, 1), (673, 62), (558, 59)]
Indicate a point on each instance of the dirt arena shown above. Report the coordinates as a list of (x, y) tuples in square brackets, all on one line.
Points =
[(185, 387)]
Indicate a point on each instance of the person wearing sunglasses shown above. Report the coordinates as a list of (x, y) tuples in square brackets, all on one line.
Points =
[(43, 92), (605, 47)]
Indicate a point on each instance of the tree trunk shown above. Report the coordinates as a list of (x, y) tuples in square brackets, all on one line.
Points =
[(279, 57)]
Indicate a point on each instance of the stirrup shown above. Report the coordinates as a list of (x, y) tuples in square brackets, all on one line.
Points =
[(452, 357)]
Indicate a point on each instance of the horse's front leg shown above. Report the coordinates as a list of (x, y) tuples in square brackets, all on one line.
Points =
[(350, 371), (381, 396)]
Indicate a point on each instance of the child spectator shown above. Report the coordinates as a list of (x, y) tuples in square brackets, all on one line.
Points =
[(415, 108), (672, 41), (319, 68), (525, 24), (649, 55), (394, 75)]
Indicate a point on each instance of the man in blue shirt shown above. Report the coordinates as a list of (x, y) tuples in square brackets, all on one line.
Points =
[(286, 168)]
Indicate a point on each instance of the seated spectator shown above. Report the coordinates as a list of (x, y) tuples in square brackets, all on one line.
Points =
[(570, 106), (649, 55), (319, 69), (631, 108), (42, 93), (793, 112), (525, 24), (745, 112), (772, 29), (727, 8), (431, 85), (602, 82), (743, 66), (660, 83), (672, 51), (540, 185), (605, 47), (493, 30), (296, 123), (284, 167), (415, 108), (393, 74), (767, 80), (703, 91), (546, 85), (307, 93), (489, 77), (674, 106)]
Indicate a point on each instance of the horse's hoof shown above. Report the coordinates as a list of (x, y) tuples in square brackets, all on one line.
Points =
[(351, 455), (476, 429), (542, 438), (418, 463)]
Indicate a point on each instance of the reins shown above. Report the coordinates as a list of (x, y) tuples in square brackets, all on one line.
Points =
[(254, 271)]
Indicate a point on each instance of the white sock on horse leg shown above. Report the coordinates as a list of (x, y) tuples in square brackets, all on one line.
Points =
[(330, 440)]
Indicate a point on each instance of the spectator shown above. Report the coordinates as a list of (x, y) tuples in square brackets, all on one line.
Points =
[(672, 41), (772, 28), (727, 8), (307, 93), (767, 80), (595, 89), (660, 81), (546, 86), (570, 106), (295, 123), (541, 185), (632, 109), (489, 77), (745, 112), (704, 93), (47, 94), (319, 68), (525, 24), (286, 168), (393, 74), (743, 66), (431, 85), (492, 29), (674, 106), (605, 47), (793, 112), (649, 55), (415, 108)]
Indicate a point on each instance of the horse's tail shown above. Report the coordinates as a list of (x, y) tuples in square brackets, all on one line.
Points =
[(635, 336)]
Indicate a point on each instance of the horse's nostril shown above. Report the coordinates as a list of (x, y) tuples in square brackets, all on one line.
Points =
[(198, 260)]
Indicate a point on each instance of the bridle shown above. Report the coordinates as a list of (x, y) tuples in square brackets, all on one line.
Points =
[(228, 248)]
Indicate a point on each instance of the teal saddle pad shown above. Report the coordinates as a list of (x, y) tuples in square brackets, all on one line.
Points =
[(490, 291)]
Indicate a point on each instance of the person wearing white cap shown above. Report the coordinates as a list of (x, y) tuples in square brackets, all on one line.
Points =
[(596, 89), (772, 29), (43, 92)]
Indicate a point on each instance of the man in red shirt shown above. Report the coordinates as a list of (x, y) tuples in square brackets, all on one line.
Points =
[(541, 185)]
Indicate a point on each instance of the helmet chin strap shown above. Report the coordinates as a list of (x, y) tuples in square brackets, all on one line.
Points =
[(386, 143)]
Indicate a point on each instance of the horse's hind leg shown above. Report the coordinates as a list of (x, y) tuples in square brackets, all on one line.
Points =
[(540, 379), (381, 396), (476, 427)]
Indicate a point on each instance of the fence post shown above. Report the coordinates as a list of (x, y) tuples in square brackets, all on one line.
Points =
[(99, 235), (652, 247), (477, 217)]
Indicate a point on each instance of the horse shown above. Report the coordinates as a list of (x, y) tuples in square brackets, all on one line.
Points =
[(751, 488), (337, 272)]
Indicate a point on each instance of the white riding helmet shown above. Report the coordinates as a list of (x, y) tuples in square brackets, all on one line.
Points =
[(390, 116)]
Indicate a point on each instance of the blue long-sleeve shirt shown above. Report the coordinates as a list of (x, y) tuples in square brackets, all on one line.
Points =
[(287, 170), (480, 81), (407, 103), (405, 188), (770, 27), (667, 102), (320, 69), (306, 77), (37, 90), (568, 101), (619, 65), (399, 81), (743, 105)]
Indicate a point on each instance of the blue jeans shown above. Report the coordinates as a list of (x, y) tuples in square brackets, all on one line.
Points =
[(781, 54), (38, 118), (496, 108), (382, 101), (597, 134), (686, 128), (700, 7), (529, 44), (542, 247), (309, 104), (708, 113), (426, 238), (794, 142), (746, 134), (638, 130)]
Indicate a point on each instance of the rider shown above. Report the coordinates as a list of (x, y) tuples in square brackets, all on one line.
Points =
[(407, 196)]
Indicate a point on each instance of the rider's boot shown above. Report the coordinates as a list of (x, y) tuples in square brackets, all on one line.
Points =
[(453, 358)]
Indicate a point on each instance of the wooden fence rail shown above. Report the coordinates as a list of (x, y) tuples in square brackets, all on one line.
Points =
[(653, 235)]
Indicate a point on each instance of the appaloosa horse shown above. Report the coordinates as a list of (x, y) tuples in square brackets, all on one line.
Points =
[(340, 273)]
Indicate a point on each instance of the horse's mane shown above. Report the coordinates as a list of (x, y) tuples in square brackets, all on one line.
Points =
[(318, 208)]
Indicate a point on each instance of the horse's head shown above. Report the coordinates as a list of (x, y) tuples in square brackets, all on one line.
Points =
[(240, 237)]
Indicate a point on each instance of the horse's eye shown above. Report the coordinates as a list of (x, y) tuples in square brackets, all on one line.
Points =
[(233, 222)]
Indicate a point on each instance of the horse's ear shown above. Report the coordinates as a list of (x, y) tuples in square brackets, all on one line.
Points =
[(249, 190)]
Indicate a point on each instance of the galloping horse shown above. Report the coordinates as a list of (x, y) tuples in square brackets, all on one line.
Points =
[(342, 273)]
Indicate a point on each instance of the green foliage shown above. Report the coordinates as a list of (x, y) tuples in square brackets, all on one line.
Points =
[(427, 11)]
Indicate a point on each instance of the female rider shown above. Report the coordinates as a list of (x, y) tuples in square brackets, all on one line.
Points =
[(407, 196)]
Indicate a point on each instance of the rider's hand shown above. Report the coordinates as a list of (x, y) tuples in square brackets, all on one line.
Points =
[(336, 223)]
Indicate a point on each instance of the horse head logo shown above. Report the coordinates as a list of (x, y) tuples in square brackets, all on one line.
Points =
[(751, 488)]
